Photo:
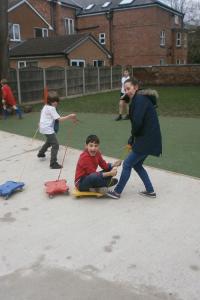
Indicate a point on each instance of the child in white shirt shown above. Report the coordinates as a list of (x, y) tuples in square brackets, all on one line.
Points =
[(124, 99), (48, 118)]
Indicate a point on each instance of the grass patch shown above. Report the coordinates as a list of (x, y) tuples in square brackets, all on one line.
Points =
[(173, 101)]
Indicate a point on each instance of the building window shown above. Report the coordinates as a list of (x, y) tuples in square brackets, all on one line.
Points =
[(178, 61), (176, 19), (41, 32), (126, 2), (90, 6), (77, 63), (15, 32), (69, 26), (106, 4), (162, 61), (98, 63), (27, 64), (162, 38), (21, 64), (178, 39), (102, 38)]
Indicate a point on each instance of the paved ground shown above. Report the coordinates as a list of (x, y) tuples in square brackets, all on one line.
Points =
[(68, 249)]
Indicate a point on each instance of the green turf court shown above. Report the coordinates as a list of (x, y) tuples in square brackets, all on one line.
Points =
[(181, 137)]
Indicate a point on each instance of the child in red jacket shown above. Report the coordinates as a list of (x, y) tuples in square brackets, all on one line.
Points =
[(87, 178), (8, 99)]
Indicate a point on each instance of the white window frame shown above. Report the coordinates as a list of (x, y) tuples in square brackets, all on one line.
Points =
[(19, 64), (95, 61), (77, 61), (14, 33), (178, 39), (102, 38), (178, 61), (176, 19), (69, 26), (43, 30), (162, 62), (162, 38)]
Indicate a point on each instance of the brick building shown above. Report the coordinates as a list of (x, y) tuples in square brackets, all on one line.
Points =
[(135, 32), (139, 32)]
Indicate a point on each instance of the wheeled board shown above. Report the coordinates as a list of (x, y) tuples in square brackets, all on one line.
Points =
[(56, 187), (10, 187), (79, 194)]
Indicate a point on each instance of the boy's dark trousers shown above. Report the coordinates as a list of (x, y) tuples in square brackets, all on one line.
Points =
[(53, 143), (94, 180)]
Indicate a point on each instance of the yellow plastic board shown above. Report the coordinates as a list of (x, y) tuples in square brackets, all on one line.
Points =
[(78, 194)]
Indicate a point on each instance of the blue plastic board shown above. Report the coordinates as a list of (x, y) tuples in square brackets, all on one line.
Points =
[(9, 187)]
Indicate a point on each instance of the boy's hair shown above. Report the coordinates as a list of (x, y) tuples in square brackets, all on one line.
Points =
[(4, 81), (52, 97), (92, 138), (133, 81)]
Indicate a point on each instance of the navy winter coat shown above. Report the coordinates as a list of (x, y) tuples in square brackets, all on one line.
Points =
[(146, 135)]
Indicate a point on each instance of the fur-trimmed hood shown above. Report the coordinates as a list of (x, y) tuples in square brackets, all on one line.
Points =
[(151, 94)]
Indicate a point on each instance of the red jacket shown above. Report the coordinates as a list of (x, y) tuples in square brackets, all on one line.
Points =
[(88, 164), (7, 95)]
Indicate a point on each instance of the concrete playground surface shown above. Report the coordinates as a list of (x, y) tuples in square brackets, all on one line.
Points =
[(64, 248)]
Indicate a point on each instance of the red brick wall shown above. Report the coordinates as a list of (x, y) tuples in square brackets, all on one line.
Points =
[(136, 35), (89, 52), (168, 75), (94, 25), (28, 20)]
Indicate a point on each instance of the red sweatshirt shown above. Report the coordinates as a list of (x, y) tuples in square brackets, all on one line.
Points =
[(88, 164), (7, 95)]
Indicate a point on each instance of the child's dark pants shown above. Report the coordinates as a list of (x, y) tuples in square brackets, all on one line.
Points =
[(53, 143), (94, 180)]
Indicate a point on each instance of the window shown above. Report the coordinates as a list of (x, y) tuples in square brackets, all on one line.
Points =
[(178, 39), (15, 32), (77, 63), (27, 64), (178, 61), (162, 38), (69, 26), (106, 4), (21, 64), (41, 32), (102, 38), (162, 61), (98, 63), (125, 2), (176, 19), (89, 6)]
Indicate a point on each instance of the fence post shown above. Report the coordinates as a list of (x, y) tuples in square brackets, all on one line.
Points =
[(18, 87), (111, 79), (66, 86), (98, 77), (44, 78), (83, 80)]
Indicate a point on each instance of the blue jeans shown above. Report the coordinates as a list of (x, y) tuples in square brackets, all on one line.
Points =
[(135, 161), (93, 180)]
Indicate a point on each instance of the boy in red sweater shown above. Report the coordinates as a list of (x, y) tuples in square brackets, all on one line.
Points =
[(8, 99), (87, 178)]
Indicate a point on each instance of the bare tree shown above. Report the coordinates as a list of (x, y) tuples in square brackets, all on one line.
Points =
[(3, 38), (191, 9)]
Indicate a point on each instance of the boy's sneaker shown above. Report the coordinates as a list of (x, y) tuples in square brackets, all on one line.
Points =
[(55, 166), (126, 117), (148, 194), (118, 118), (113, 195), (113, 182), (41, 155)]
